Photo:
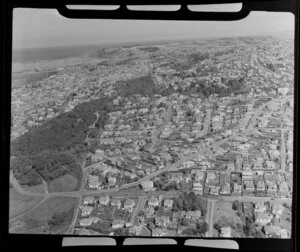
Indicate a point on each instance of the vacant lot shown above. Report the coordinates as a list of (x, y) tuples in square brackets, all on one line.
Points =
[(65, 183), (19, 203), (40, 219), (35, 189), (224, 209)]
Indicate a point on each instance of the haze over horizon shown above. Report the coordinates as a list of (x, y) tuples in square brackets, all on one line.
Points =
[(36, 28)]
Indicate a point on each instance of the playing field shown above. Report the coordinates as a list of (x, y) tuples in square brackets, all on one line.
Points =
[(37, 220), (19, 204)]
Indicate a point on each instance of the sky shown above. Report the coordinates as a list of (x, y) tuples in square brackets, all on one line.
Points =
[(37, 28)]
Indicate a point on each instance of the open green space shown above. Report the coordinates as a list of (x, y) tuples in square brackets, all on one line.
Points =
[(51, 217), (19, 204), (66, 183), (57, 147)]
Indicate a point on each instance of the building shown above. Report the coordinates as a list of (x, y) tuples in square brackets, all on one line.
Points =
[(104, 200), (162, 220), (88, 200), (129, 204), (263, 218), (260, 207), (153, 201), (168, 203), (247, 174), (225, 189), (156, 232), (88, 221), (147, 185), (260, 186), (270, 165), (214, 190), (249, 186), (248, 208), (112, 181), (225, 232), (198, 188), (116, 202), (237, 189), (193, 214), (118, 223), (277, 209), (86, 210)]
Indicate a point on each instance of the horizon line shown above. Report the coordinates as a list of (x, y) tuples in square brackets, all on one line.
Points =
[(155, 40)]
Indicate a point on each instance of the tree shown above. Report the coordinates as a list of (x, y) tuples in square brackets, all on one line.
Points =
[(185, 222), (202, 227)]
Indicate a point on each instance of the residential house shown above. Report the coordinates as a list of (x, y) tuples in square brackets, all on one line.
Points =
[(116, 202), (247, 174), (86, 210), (198, 188), (260, 186), (141, 220), (225, 189), (230, 166), (263, 218), (149, 211), (162, 220), (128, 224), (104, 200), (168, 203), (270, 165), (269, 230), (129, 204), (248, 208), (135, 230), (249, 186), (225, 232), (214, 190), (156, 232), (237, 189), (88, 200), (260, 207), (277, 210), (118, 223), (153, 201), (112, 181), (271, 188), (147, 185), (193, 214), (88, 221)]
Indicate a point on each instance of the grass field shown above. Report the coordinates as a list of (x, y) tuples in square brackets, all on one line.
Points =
[(36, 221), (35, 189), (224, 209), (19, 203), (65, 183)]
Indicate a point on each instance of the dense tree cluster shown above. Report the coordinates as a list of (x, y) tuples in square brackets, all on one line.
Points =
[(190, 202), (197, 57), (65, 132), (149, 49), (200, 230), (60, 218), (142, 85), (46, 164), (53, 149)]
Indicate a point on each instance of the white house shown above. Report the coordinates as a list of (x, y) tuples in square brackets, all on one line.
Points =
[(104, 200)]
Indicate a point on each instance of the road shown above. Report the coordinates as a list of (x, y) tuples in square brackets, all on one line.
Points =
[(209, 218), (156, 132), (206, 124), (282, 151), (172, 167), (139, 206)]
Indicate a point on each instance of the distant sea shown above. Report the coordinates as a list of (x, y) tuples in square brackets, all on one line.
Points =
[(54, 53)]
